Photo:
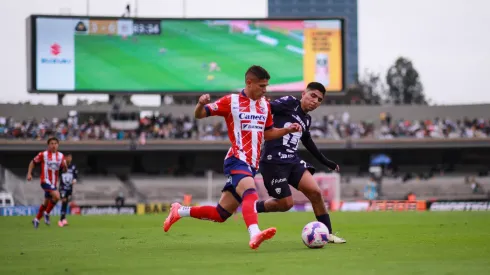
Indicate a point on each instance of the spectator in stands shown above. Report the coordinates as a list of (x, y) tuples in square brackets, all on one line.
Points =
[(370, 190), (411, 197), (476, 187), (159, 126), (120, 200)]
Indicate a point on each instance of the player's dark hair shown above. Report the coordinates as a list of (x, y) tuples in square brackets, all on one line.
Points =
[(51, 139), (258, 72), (316, 86), (67, 154)]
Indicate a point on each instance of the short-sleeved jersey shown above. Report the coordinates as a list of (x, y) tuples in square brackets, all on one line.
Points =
[(51, 163), (286, 111), (246, 119), (66, 178)]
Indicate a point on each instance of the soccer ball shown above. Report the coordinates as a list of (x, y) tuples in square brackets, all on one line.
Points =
[(315, 235)]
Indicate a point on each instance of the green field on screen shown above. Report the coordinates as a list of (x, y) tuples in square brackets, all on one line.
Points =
[(139, 63)]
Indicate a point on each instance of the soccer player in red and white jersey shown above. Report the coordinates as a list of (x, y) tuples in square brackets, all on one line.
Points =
[(249, 120), (51, 162)]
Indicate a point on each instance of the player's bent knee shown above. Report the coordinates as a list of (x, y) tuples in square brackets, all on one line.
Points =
[(224, 215), (286, 204)]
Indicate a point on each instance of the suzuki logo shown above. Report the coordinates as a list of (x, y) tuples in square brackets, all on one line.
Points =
[(55, 49)]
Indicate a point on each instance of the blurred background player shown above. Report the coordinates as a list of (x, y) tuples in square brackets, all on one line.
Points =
[(213, 66), (249, 122), (280, 164), (67, 179), (51, 162)]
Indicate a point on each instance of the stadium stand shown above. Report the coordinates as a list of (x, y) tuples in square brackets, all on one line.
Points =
[(329, 122)]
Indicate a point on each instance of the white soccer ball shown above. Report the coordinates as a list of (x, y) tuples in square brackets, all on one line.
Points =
[(315, 235)]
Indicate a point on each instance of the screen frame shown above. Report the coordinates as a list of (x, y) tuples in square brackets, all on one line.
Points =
[(31, 48)]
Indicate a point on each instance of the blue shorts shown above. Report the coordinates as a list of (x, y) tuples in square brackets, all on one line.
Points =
[(235, 170), (47, 189)]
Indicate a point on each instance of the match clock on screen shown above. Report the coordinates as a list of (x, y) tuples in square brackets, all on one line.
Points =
[(146, 27)]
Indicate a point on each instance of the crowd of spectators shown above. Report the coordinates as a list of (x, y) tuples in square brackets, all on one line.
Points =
[(336, 127), (434, 128)]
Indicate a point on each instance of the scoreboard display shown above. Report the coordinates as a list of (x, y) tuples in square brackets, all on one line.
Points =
[(147, 56), (146, 27), (102, 27)]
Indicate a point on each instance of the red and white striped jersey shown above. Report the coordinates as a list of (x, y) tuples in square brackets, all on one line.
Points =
[(246, 119), (51, 163)]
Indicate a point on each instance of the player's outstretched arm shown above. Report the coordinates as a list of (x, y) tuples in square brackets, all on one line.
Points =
[(200, 111), (32, 164), (275, 133), (29, 170), (75, 176), (64, 166), (311, 147)]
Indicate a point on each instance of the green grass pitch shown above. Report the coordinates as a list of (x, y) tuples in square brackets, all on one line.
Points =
[(378, 243), (137, 64)]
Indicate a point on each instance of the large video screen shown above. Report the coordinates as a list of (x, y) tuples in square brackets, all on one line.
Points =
[(110, 55)]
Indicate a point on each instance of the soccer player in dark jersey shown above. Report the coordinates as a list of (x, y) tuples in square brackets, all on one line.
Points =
[(280, 164), (67, 179)]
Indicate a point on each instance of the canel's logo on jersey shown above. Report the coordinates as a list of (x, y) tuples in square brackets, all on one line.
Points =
[(53, 165), (249, 116)]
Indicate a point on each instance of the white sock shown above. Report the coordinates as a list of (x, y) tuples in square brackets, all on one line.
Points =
[(253, 230), (184, 211)]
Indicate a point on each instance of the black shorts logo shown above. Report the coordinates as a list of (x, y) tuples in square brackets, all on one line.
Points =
[(277, 181)]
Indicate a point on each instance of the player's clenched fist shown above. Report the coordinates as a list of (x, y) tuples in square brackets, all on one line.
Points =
[(295, 127), (204, 99)]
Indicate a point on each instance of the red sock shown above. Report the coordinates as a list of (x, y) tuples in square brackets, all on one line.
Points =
[(206, 213), (40, 212), (248, 207), (50, 207)]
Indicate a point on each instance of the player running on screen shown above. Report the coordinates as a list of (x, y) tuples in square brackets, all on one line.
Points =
[(51, 162), (280, 164), (67, 180), (249, 120)]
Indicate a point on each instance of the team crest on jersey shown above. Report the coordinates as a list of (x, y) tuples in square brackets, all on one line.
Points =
[(213, 106)]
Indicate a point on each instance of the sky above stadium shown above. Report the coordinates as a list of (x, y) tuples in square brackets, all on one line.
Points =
[(447, 40)]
